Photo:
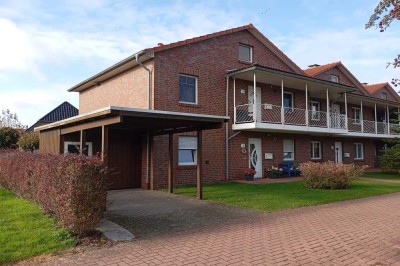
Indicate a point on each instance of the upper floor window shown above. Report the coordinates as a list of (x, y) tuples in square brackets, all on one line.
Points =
[(356, 115), (315, 110), (187, 150), (187, 89), (288, 102), (245, 53), (335, 78), (384, 96)]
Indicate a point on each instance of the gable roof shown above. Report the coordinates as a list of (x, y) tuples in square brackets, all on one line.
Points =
[(250, 27), (314, 71), (375, 88), (61, 112)]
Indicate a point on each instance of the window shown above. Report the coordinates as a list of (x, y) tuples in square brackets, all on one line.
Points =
[(74, 147), (316, 152), (315, 110), (288, 149), (335, 78), (245, 53), (187, 89), (359, 151), (384, 96), (187, 153), (356, 115), (288, 101)]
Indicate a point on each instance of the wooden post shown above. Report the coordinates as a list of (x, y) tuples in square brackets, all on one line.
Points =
[(362, 117), (282, 105), (199, 167), (83, 143), (234, 100), (328, 115), (307, 122), (376, 121), (255, 98), (171, 164), (345, 111), (104, 144)]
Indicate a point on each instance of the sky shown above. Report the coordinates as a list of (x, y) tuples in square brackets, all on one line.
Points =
[(47, 47)]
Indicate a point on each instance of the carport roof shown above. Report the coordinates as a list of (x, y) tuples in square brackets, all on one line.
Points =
[(157, 122)]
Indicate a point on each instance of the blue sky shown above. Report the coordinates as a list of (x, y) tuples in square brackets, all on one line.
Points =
[(49, 46)]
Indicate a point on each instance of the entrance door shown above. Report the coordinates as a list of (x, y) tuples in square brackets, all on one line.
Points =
[(251, 101), (335, 117), (338, 152), (255, 156)]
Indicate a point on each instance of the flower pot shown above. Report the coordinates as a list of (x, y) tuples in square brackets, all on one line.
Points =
[(273, 175), (249, 177)]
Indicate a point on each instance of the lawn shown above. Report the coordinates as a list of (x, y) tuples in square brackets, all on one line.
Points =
[(382, 175), (279, 196), (25, 231)]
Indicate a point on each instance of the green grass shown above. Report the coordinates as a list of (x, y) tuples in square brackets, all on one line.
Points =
[(25, 231), (279, 196), (382, 176)]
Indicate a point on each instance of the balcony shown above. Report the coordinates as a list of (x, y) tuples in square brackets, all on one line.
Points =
[(268, 117)]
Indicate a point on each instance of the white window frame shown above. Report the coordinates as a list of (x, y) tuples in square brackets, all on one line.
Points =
[(287, 151), (357, 156), (251, 52), (384, 95), (316, 112), (334, 78), (288, 109), (355, 120), (193, 148), (196, 89), (312, 143), (76, 143)]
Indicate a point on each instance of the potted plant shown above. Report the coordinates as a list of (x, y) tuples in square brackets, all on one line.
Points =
[(249, 174), (274, 172)]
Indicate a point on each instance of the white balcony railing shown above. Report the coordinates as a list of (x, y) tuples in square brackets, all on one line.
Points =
[(273, 114)]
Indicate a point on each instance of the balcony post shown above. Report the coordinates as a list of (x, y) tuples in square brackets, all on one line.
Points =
[(255, 98), (345, 111), (362, 117), (234, 100), (306, 105), (388, 124), (328, 116), (376, 121), (282, 103)]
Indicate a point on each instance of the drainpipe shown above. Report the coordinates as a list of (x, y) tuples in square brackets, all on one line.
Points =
[(137, 57), (227, 130)]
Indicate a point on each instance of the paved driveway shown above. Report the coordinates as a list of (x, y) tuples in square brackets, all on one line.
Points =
[(358, 232)]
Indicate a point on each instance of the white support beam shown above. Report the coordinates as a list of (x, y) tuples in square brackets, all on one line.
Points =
[(345, 111), (307, 105), (282, 103), (376, 121), (388, 120), (328, 115), (234, 101), (255, 98), (362, 117)]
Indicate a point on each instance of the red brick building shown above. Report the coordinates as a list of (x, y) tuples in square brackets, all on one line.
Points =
[(278, 112)]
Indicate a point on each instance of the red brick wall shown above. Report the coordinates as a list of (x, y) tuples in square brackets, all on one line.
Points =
[(128, 89)]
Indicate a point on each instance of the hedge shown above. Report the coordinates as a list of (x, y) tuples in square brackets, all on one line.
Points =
[(72, 188)]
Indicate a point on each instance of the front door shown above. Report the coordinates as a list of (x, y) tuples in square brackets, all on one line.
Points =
[(251, 101), (255, 156), (338, 152), (335, 121)]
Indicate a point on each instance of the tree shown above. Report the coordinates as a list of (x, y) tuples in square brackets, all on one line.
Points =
[(8, 119), (8, 137), (384, 14), (29, 141)]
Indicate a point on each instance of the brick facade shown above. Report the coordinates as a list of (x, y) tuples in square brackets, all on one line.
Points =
[(208, 60)]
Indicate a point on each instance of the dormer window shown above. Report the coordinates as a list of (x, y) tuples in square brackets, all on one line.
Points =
[(245, 53), (384, 96), (335, 78)]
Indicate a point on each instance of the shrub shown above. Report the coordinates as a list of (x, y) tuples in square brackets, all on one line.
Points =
[(390, 160), (29, 141), (8, 137), (70, 187), (329, 175)]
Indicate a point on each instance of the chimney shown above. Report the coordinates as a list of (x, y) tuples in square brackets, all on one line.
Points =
[(160, 44), (364, 83), (314, 65)]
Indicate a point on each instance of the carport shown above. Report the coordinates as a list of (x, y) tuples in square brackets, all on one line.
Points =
[(115, 134)]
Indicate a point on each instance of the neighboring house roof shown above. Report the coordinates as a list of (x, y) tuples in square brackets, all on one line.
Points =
[(61, 112), (373, 89), (148, 54), (316, 70)]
